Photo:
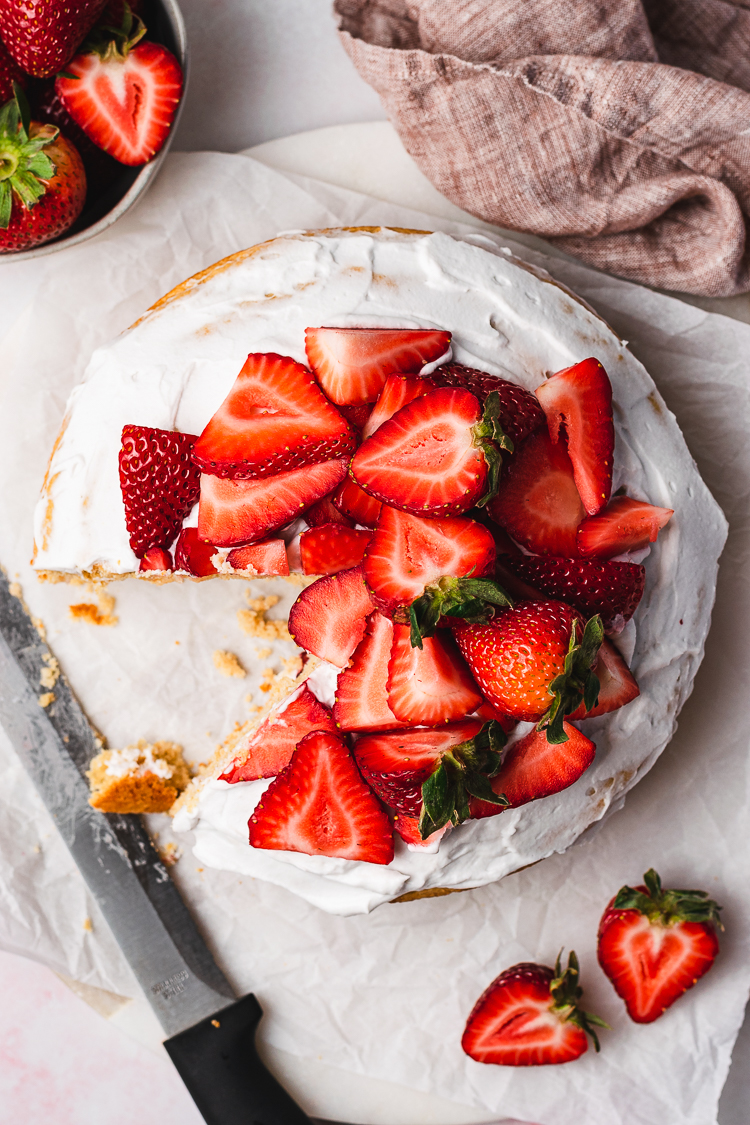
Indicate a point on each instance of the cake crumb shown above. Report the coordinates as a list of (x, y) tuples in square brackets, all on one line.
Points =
[(170, 853), (99, 614), (40, 627), (263, 653), (249, 697), (228, 664), (253, 619), (87, 925), (15, 590), (46, 698), (49, 676), (146, 777)]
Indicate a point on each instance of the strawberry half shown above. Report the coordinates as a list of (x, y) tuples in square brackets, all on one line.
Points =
[(267, 557), (408, 554), (529, 1016), (430, 684), (271, 747), (519, 411), (123, 92), (578, 400), (319, 805), (325, 511), (352, 364), (159, 484), (328, 619), (361, 690), (655, 944), (356, 504), (233, 512), (438, 456), (156, 558), (399, 390), (611, 589), (617, 685), (274, 419), (194, 554), (624, 525), (407, 827), (534, 662), (331, 548), (534, 768), (537, 500)]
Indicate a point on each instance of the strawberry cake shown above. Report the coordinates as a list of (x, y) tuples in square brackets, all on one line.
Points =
[(513, 557)]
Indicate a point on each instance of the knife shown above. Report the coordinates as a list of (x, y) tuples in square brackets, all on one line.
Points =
[(211, 1033)]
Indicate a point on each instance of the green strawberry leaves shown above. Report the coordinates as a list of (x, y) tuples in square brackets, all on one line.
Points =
[(463, 771), (566, 992), (23, 165), (668, 907), (489, 436), (577, 682), (469, 598)]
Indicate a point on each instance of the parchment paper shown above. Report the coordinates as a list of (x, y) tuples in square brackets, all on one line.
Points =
[(387, 994)]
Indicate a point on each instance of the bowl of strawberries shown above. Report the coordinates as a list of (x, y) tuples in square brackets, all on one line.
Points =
[(90, 94)]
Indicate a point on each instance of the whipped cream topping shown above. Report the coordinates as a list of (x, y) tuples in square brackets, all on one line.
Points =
[(136, 761), (174, 368)]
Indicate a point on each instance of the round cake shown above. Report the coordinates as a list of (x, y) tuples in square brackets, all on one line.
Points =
[(173, 370)]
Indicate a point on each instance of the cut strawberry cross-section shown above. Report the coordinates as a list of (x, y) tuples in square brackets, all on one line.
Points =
[(578, 402), (331, 548), (362, 688), (328, 619), (266, 557), (234, 512), (271, 747), (274, 419), (520, 413), (352, 364), (624, 525), (537, 500), (431, 684), (356, 504), (159, 484), (325, 511), (194, 554), (438, 456), (320, 805), (399, 390)]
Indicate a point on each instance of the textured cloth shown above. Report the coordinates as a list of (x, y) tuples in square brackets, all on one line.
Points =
[(617, 129)]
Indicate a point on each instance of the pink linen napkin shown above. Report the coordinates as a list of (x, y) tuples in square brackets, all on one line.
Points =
[(617, 129)]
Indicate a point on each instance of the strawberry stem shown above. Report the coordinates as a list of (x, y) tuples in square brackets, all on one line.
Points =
[(462, 771), (23, 165), (577, 682), (566, 992), (489, 436), (666, 908), (110, 42), (469, 598)]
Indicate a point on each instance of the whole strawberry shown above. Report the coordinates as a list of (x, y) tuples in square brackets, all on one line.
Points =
[(10, 72), (159, 485), (655, 944), (42, 180), (534, 662), (43, 35)]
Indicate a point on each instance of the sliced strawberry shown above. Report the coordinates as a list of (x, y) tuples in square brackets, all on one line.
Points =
[(325, 511), (520, 413), (357, 416), (328, 619), (407, 828), (124, 99), (234, 512), (270, 749), (156, 558), (361, 691), (534, 768), (352, 364), (433, 458), (396, 765), (194, 554), (331, 548), (624, 525), (159, 484), (407, 553), (397, 392), (320, 805), (612, 589), (356, 504), (578, 400), (267, 557), (529, 1017), (274, 419), (617, 685), (431, 684), (655, 944), (537, 500)]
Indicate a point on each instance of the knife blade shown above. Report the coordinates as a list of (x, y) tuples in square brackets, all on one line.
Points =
[(211, 1033)]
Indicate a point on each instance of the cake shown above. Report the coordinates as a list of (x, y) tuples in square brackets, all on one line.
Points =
[(145, 778), (175, 368)]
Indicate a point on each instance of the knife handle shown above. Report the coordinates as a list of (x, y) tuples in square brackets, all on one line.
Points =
[(219, 1064)]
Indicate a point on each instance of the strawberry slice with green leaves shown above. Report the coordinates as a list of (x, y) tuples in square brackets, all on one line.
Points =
[(399, 390), (329, 617), (534, 768), (537, 500), (617, 685), (362, 688), (529, 1016), (159, 484), (578, 404), (431, 684), (331, 548), (235, 512), (534, 662), (273, 420), (438, 456), (352, 364), (624, 525), (356, 504), (655, 944), (407, 827), (519, 410), (270, 749), (267, 557), (319, 805)]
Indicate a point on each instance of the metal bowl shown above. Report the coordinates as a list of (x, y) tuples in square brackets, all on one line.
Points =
[(165, 25)]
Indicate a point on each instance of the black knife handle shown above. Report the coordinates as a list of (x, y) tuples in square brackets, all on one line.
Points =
[(219, 1064)]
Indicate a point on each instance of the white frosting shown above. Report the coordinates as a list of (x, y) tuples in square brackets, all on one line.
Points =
[(136, 761), (175, 367)]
